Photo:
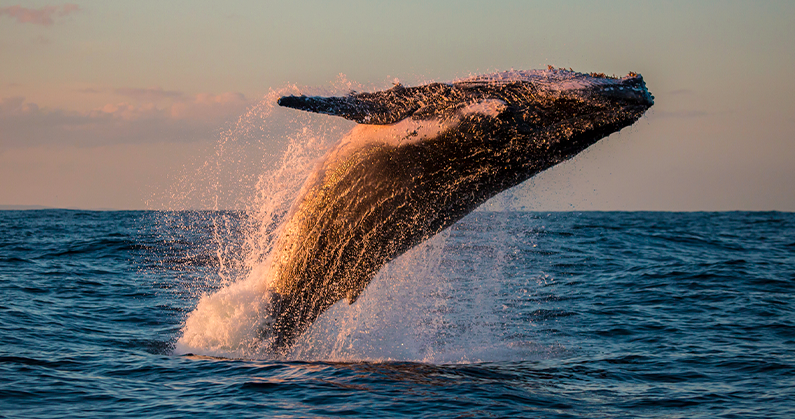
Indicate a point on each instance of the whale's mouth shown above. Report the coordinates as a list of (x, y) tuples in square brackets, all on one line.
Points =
[(589, 107), (630, 89)]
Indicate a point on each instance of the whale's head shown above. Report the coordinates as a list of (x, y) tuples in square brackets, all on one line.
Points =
[(554, 114), (557, 109), (524, 121)]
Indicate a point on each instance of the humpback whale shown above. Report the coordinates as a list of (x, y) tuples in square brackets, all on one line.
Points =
[(420, 159)]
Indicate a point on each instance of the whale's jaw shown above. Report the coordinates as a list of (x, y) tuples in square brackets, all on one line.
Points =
[(423, 158)]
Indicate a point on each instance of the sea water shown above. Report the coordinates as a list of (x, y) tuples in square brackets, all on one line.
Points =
[(506, 314)]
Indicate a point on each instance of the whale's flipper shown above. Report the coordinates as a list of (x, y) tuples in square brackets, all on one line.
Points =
[(348, 107), (377, 108)]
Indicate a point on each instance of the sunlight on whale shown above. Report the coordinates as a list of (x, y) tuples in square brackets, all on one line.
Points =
[(420, 159)]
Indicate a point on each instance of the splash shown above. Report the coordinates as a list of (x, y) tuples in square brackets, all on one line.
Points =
[(405, 314), (400, 316), (250, 181), (230, 322)]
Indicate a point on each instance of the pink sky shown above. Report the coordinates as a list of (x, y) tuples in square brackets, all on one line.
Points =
[(41, 16), (107, 104)]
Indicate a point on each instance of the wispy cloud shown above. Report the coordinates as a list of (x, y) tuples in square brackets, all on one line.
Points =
[(44, 16), (154, 93), (191, 118), (205, 105), (16, 106)]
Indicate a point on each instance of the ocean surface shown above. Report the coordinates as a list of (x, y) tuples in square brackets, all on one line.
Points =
[(506, 314)]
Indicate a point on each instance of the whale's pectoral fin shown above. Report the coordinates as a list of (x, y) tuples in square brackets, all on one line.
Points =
[(347, 107), (363, 111), (378, 108)]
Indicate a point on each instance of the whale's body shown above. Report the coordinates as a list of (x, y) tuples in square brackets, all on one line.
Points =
[(421, 159)]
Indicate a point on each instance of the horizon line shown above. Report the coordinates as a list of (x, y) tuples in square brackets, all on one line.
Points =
[(43, 207)]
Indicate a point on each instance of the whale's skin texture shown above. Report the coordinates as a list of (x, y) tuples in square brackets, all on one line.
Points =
[(421, 159)]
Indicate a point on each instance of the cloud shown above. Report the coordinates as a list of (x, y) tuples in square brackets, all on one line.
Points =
[(152, 94), (200, 117), (16, 106), (43, 16), (205, 105)]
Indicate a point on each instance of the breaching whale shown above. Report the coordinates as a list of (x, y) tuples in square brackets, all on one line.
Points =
[(420, 159)]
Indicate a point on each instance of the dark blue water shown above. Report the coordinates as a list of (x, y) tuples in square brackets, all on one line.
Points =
[(624, 314)]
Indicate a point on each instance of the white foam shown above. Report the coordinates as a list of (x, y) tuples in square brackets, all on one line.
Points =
[(227, 323)]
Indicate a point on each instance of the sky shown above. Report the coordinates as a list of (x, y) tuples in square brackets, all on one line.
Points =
[(107, 104)]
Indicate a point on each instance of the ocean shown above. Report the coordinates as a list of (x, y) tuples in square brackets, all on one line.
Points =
[(506, 314)]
